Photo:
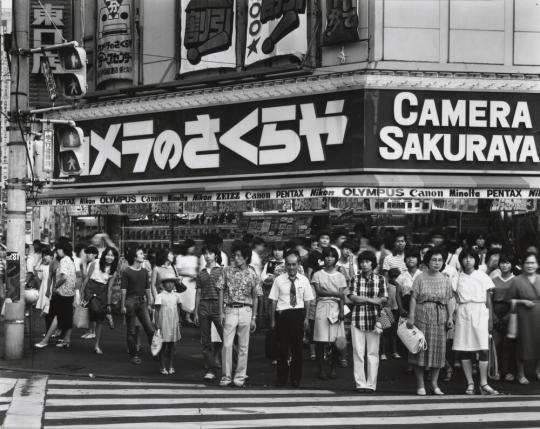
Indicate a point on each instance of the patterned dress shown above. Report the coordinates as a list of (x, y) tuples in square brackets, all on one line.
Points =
[(432, 293)]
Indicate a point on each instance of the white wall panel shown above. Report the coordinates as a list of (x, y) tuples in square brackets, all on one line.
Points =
[(477, 14), (527, 49), (411, 44), (411, 13), (484, 47), (527, 15)]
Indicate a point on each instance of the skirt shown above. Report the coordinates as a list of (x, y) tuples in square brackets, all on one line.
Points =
[(472, 327), (95, 294), (435, 355), (62, 308), (324, 331)]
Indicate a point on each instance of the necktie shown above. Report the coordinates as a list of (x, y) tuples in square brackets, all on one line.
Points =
[(292, 294)]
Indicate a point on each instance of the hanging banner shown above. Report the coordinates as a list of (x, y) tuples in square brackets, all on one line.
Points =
[(275, 28), (341, 22), (208, 35), (115, 40)]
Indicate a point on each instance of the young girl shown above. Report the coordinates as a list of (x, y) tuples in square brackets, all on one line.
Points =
[(167, 316)]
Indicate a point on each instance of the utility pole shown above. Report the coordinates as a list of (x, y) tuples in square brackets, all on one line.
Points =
[(16, 183)]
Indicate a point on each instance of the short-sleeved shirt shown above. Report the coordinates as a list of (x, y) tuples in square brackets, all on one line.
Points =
[(395, 261), (66, 267), (281, 291), (501, 288), (98, 275), (334, 283), (364, 315), (135, 282), (473, 287), (238, 285), (210, 282), (405, 281)]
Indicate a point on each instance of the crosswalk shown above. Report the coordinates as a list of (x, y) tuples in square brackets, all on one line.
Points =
[(60, 403), (82, 404)]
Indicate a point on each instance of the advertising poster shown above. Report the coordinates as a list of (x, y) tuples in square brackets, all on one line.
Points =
[(341, 22), (207, 35), (115, 40), (13, 276), (274, 29)]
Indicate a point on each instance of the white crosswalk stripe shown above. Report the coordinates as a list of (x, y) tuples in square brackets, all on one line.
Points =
[(86, 404)]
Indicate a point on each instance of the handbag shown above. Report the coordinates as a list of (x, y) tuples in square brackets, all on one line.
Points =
[(386, 318), (157, 342), (413, 339), (81, 317), (341, 339), (512, 328)]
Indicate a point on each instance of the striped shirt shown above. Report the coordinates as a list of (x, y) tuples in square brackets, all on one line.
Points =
[(395, 261), (364, 315), (210, 282)]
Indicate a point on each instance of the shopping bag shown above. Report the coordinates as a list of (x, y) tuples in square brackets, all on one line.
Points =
[(512, 330), (413, 338), (81, 317), (188, 296), (341, 339), (493, 363), (386, 318), (214, 334), (157, 342)]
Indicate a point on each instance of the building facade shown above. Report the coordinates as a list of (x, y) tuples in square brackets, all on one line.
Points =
[(279, 118)]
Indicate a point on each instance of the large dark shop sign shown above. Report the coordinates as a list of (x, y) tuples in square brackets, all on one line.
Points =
[(304, 134), (452, 131)]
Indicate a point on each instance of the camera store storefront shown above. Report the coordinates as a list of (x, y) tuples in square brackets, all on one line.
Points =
[(289, 158)]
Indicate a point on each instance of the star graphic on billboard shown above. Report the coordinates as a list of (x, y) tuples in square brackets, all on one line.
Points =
[(252, 48)]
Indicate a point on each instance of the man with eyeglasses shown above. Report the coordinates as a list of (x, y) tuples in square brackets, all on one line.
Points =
[(291, 295)]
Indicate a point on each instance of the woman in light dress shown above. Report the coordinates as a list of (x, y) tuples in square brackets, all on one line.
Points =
[(473, 320)]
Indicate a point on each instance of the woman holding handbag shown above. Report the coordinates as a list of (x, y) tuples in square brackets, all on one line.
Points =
[(330, 286), (430, 312), (524, 293), (96, 290), (473, 320)]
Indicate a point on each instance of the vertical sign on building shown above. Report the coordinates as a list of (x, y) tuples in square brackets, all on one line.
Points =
[(275, 28), (13, 276), (50, 23), (341, 22), (208, 35), (115, 41)]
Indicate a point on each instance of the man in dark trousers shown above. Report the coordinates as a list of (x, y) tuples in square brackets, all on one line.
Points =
[(291, 295)]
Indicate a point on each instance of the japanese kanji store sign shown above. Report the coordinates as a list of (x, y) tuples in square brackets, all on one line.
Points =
[(50, 24), (316, 134)]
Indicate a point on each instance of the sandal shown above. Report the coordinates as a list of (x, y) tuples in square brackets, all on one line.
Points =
[(437, 391), (523, 380), (421, 391), (470, 389), (172, 371), (486, 389), (163, 371)]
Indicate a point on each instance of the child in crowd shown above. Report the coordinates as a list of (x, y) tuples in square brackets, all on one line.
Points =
[(389, 337), (167, 316)]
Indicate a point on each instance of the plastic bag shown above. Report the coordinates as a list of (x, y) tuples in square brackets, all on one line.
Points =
[(157, 342), (81, 317)]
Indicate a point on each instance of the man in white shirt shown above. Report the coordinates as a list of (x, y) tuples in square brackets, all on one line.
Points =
[(291, 295)]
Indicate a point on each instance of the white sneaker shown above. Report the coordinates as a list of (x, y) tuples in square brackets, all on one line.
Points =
[(91, 336), (225, 382), (209, 376), (383, 357)]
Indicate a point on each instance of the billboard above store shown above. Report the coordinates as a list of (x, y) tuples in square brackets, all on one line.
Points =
[(450, 131), (313, 134)]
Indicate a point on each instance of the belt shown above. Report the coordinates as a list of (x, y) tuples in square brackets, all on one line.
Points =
[(238, 305)]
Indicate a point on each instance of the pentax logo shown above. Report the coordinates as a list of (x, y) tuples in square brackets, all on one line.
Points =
[(266, 136)]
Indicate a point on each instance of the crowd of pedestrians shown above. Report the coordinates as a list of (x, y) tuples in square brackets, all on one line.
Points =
[(339, 292)]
